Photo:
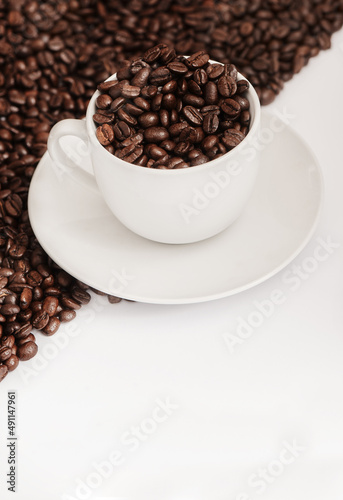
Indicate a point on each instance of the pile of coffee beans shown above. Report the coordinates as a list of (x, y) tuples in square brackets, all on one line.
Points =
[(169, 112), (52, 56)]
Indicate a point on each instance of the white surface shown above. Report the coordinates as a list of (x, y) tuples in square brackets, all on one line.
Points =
[(235, 410), (278, 222)]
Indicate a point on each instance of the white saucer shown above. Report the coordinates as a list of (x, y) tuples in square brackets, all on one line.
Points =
[(78, 231)]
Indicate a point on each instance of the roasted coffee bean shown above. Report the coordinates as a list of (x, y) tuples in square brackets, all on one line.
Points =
[(165, 118), (214, 71), (3, 371), (132, 110), (177, 67), (193, 100), (105, 134), (155, 152), (141, 103), (23, 331), (232, 138), (148, 119), (79, 295), (130, 91), (5, 353), (192, 115), (210, 123), (9, 309), (227, 86), (121, 130), (104, 101), (210, 142), (199, 160), (52, 326), (168, 101), (40, 319), (25, 298), (27, 351), (160, 76), (102, 117), (156, 102), (176, 162), (242, 101), (141, 77), (156, 134), (231, 108), (211, 93), (67, 315), (117, 103), (126, 117), (130, 153), (198, 59), (50, 305), (11, 363), (242, 86)]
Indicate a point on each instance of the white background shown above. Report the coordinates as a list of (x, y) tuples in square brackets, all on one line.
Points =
[(232, 412)]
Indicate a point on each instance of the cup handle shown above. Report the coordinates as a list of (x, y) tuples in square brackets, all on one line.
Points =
[(64, 160)]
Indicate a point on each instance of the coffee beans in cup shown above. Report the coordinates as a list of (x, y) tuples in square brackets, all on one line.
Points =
[(168, 112)]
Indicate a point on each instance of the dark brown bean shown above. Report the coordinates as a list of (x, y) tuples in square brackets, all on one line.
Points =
[(27, 351), (156, 134), (105, 134)]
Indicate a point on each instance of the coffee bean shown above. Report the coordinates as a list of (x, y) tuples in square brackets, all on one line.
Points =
[(130, 153), (148, 119), (102, 117), (104, 101), (132, 110), (79, 295), (242, 86), (193, 100), (232, 138), (25, 298), (27, 351), (130, 91), (11, 363), (52, 326), (160, 76), (210, 123), (116, 104), (198, 59), (50, 305), (67, 315), (155, 152), (105, 134), (230, 108), (141, 78), (192, 115), (141, 103), (126, 117), (155, 134), (152, 54), (40, 319), (177, 67), (211, 93), (3, 372), (214, 71), (227, 86), (5, 353), (168, 101)]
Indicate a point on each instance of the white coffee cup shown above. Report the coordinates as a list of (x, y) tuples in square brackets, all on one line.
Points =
[(169, 206)]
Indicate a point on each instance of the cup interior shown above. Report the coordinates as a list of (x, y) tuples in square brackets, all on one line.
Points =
[(255, 111)]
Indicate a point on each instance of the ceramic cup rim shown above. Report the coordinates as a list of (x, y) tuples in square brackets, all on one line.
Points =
[(255, 122)]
